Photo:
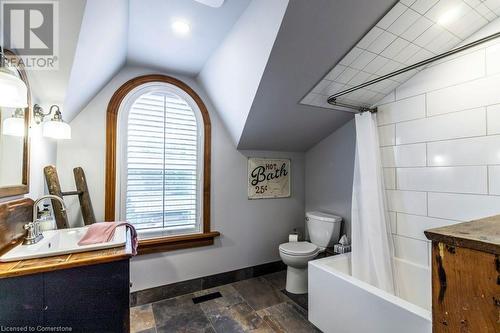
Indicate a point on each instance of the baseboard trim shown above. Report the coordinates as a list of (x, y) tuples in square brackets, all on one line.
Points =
[(189, 286)]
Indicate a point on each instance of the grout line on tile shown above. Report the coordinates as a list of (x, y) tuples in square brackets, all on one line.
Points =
[(444, 192), (486, 115), (485, 62), (488, 180), (443, 140), (427, 202), (440, 166), (426, 155), (425, 105)]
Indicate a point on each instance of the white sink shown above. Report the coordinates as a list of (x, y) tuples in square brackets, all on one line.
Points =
[(64, 241)]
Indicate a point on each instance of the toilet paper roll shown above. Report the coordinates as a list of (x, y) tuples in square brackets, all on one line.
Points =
[(293, 238)]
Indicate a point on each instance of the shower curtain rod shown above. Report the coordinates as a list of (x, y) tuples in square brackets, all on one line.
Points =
[(333, 98), (354, 107)]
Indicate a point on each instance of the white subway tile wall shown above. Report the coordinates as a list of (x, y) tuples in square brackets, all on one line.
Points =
[(411, 202), (440, 149), (413, 226), (404, 156), (463, 179), (410, 249), (402, 110), (482, 150), (443, 127), (471, 67), (494, 179), (492, 63), (387, 135), (464, 96), (413, 275), (390, 178), (392, 218), (493, 115)]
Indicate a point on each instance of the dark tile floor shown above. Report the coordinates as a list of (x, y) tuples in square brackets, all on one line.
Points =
[(254, 305)]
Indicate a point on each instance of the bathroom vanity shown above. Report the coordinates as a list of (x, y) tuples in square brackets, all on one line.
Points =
[(466, 277), (86, 291)]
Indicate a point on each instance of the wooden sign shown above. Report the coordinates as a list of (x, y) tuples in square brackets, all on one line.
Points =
[(268, 178)]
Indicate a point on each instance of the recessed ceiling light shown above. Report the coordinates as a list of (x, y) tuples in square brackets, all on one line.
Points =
[(449, 16), (181, 27)]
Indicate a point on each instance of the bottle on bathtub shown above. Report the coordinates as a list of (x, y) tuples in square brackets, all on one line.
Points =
[(343, 246)]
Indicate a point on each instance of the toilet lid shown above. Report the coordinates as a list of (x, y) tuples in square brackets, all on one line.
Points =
[(298, 248)]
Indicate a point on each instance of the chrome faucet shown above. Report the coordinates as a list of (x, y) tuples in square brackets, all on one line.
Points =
[(33, 232)]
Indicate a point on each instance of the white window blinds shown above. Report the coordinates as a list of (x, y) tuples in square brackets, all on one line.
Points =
[(163, 150)]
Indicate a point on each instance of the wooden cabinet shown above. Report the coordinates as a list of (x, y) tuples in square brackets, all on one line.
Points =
[(466, 277), (92, 298)]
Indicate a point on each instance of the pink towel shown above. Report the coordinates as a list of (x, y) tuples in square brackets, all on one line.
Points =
[(104, 232)]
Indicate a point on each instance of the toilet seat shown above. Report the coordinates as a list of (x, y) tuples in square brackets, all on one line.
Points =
[(301, 249)]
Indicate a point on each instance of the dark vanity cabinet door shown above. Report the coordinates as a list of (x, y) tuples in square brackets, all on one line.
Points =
[(21, 301), (88, 299)]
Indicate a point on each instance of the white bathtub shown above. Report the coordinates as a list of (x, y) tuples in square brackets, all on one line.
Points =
[(339, 303)]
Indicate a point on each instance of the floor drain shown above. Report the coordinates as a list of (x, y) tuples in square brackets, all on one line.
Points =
[(207, 297)]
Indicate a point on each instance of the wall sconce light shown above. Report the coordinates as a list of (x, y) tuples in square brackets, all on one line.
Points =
[(13, 90), (14, 125), (55, 127)]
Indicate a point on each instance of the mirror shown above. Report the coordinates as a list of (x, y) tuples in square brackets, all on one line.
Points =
[(14, 141)]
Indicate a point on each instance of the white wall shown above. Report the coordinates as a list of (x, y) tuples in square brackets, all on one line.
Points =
[(101, 47), (329, 174), (232, 74), (251, 229), (43, 152), (440, 139)]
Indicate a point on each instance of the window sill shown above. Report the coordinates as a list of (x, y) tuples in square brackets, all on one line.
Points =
[(171, 243)]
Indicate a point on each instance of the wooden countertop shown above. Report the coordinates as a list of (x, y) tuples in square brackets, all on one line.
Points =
[(482, 235), (47, 264)]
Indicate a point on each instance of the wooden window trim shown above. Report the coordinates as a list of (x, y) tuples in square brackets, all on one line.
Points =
[(169, 243)]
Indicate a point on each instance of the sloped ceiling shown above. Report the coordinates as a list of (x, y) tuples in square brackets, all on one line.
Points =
[(101, 52), (93, 35), (232, 74), (98, 37), (152, 43), (313, 37), (50, 86)]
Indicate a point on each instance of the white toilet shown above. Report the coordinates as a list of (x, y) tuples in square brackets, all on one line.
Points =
[(324, 231)]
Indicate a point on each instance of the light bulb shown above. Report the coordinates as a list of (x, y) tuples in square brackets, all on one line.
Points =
[(13, 91), (56, 129), (181, 27), (13, 126), (449, 16)]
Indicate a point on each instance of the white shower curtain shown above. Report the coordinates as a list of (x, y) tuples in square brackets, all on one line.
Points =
[(372, 247)]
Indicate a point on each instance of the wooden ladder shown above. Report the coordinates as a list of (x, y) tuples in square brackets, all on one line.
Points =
[(82, 191)]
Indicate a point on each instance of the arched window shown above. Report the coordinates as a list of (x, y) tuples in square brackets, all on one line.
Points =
[(158, 162)]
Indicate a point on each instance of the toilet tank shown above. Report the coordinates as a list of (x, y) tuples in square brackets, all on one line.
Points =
[(323, 228)]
